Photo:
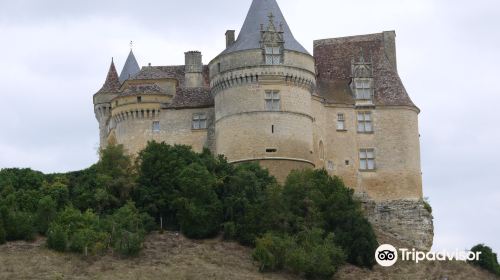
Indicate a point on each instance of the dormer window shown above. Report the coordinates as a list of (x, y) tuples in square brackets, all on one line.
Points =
[(362, 81), (272, 42), (273, 55), (363, 89)]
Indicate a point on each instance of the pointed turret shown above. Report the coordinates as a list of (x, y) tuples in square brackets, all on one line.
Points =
[(257, 17), (130, 68), (112, 83)]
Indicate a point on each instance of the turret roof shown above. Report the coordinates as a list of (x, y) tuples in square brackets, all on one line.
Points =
[(112, 83), (130, 68), (250, 34)]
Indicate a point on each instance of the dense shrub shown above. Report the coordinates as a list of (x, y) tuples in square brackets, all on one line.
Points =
[(3, 234), (19, 226), (47, 210), (199, 211), (314, 199), (309, 253), (57, 238), (487, 259)]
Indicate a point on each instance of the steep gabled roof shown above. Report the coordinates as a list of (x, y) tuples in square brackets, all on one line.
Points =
[(112, 84), (250, 34), (333, 63), (130, 68)]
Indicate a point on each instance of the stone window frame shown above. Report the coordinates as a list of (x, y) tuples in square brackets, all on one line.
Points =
[(272, 100), (363, 88), (367, 159), (341, 122), (199, 121), (156, 127), (365, 122), (330, 165), (273, 54)]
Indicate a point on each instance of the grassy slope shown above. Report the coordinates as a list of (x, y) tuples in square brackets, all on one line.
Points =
[(169, 256)]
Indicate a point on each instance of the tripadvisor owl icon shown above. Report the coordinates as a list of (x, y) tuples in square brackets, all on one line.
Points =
[(386, 255)]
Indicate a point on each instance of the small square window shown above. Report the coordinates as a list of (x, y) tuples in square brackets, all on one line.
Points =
[(365, 124), (330, 165), (156, 126), (139, 99), (340, 122), (272, 100), (367, 159), (199, 121)]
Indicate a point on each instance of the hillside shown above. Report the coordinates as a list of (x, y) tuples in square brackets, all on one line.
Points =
[(170, 256)]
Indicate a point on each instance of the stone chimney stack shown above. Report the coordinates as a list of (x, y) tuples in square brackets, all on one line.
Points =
[(390, 48), (193, 69), (230, 38)]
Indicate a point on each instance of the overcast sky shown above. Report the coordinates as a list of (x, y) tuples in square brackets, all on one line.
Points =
[(55, 55)]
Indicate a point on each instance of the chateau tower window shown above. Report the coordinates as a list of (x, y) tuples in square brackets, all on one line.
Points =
[(365, 122), (139, 99), (367, 159), (362, 80), (330, 165), (321, 151), (341, 122), (272, 100), (156, 126), (199, 121), (272, 42), (363, 89)]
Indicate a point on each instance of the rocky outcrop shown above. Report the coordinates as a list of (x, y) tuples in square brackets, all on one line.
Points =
[(405, 220)]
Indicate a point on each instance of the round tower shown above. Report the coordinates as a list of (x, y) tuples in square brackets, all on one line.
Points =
[(262, 85)]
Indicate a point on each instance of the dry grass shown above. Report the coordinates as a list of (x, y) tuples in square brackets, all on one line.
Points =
[(169, 256)]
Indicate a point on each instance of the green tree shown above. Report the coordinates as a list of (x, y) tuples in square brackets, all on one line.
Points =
[(57, 238), (47, 210), (199, 210), (160, 166), (487, 259)]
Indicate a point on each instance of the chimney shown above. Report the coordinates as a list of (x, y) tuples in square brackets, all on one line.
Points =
[(193, 69), (229, 38), (390, 48)]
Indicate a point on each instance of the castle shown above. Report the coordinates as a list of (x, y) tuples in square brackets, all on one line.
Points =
[(266, 99)]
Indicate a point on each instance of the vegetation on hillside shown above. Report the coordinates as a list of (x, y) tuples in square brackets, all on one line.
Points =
[(311, 225), (487, 259)]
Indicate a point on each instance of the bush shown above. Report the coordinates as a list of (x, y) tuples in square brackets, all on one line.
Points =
[(3, 234), (487, 259), (19, 226), (47, 210), (199, 210), (57, 238), (314, 199), (309, 253)]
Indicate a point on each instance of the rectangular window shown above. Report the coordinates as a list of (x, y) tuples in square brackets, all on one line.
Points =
[(330, 165), (365, 124), (340, 122), (199, 121), (156, 126), (363, 89), (272, 100), (367, 159), (139, 99), (273, 55)]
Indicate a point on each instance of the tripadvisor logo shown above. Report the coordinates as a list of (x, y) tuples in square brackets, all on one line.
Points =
[(387, 255)]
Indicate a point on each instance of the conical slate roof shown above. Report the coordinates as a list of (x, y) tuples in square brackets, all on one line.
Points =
[(112, 83), (250, 34), (130, 68)]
